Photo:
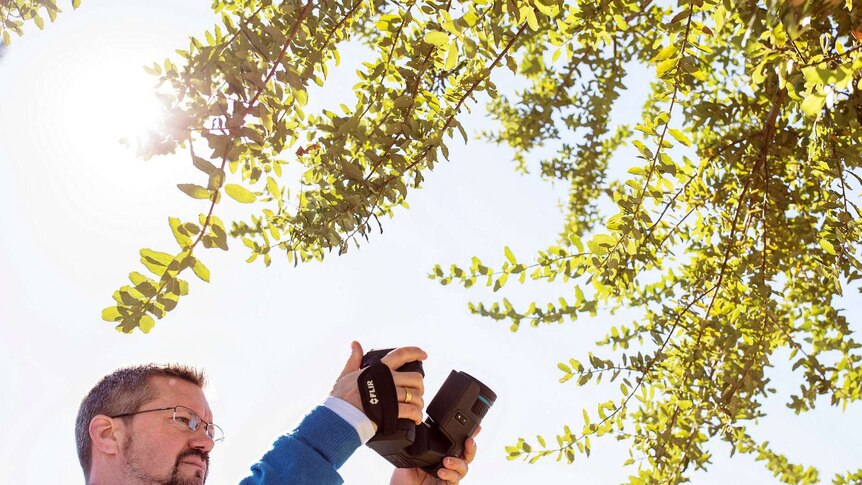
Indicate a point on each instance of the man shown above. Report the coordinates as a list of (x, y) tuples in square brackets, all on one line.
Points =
[(152, 425)]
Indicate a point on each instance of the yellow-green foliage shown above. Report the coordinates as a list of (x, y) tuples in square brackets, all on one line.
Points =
[(14, 14), (733, 245)]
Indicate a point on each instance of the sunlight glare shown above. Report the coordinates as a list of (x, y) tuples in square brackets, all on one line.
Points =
[(106, 102), (88, 96)]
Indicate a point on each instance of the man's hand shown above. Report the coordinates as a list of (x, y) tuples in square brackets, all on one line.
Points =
[(408, 384), (454, 471)]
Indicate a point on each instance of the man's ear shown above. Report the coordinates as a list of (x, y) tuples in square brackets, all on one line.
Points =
[(105, 435)]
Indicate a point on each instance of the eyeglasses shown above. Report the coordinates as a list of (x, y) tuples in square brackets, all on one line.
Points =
[(187, 419)]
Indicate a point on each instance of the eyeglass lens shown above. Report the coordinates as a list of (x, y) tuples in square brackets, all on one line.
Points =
[(190, 419)]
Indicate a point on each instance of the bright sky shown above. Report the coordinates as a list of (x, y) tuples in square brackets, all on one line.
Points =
[(75, 207)]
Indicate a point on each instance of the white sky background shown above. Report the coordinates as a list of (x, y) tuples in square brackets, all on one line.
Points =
[(75, 207)]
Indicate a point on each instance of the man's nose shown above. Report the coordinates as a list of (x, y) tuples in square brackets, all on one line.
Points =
[(201, 441)]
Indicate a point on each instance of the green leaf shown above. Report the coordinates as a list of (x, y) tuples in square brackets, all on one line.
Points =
[(216, 180), (665, 66), (813, 104), (601, 244), (218, 233), (451, 56), (614, 222), (156, 261), (146, 323), (828, 247), (530, 15), (200, 270), (645, 152), (719, 16), (556, 55), (404, 101), (239, 193), (509, 255), (679, 136), (111, 314), (147, 289), (501, 281), (76, 3), (137, 278), (169, 301), (204, 165), (157, 257), (352, 170), (181, 237), (436, 37), (272, 188), (194, 191), (550, 9), (7, 40), (666, 53)]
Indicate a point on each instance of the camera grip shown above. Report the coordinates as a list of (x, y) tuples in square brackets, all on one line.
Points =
[(379, 397), (390, 442)]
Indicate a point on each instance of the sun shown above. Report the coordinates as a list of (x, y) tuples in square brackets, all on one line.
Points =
[(105, 100)]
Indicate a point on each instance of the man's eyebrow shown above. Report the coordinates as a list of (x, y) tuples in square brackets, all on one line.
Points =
[(205, 416)]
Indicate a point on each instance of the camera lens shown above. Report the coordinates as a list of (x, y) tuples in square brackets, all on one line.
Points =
[(486, 395)]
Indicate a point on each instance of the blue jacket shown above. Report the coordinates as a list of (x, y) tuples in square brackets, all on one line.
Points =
[(310, 454)]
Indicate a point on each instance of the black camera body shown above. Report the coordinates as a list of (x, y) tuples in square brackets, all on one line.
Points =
[(454, 414)]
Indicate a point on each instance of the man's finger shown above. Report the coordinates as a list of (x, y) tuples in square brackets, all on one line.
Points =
[(409, 411), (411, 380), (415, 396), (403, 355), (354, 360), (469, 450), (455, 469)]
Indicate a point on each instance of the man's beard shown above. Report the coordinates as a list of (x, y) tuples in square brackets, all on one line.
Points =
[(135, 469)]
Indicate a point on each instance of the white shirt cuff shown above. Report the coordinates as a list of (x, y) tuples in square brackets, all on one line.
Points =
[(364, 426)]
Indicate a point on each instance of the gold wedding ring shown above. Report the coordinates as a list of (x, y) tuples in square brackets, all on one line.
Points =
[(408, 396)]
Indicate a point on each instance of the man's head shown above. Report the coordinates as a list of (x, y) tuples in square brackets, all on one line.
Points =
[(154, 447)]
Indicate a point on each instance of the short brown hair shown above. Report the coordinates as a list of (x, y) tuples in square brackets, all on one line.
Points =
[(123, 391)]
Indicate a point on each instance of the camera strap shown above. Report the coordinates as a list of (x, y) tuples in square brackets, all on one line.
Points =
[(379, 397)]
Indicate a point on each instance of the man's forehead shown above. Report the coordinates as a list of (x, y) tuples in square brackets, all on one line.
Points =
[(171, 391)]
